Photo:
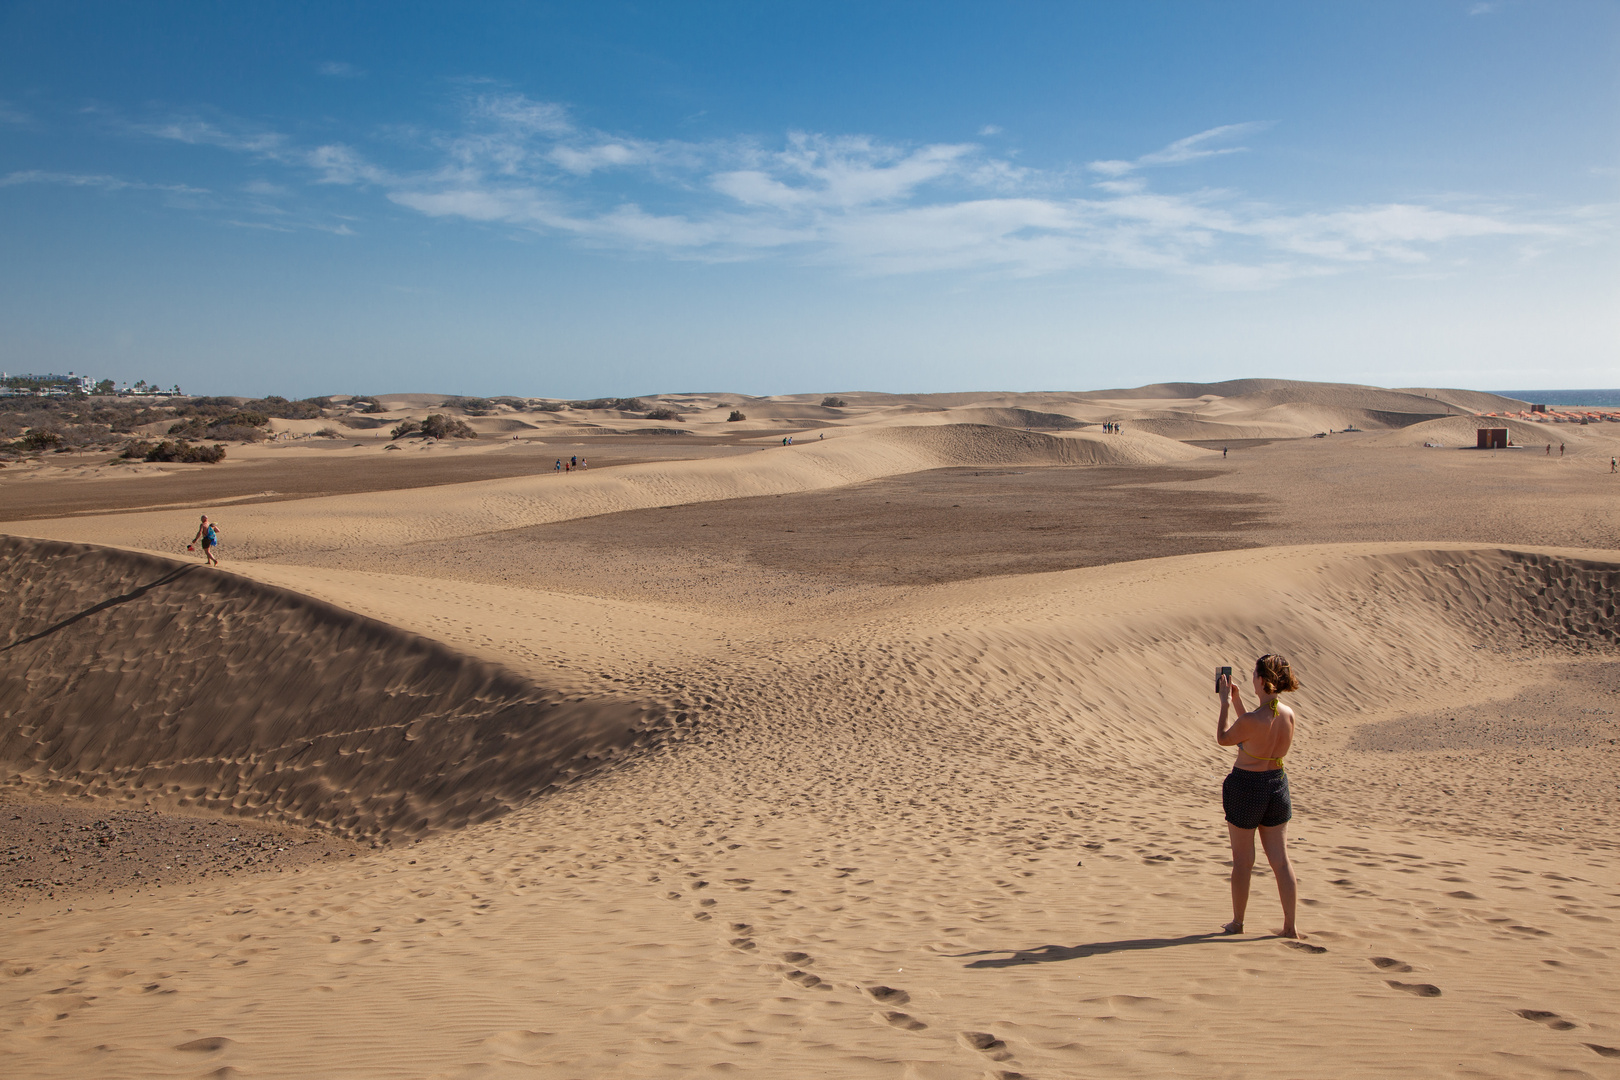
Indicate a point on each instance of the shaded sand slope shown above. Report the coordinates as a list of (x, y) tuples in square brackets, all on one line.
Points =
[(130, 674), (384, 519)]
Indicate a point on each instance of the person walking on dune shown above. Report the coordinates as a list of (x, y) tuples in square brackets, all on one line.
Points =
[(1255, 793), (208, 537)]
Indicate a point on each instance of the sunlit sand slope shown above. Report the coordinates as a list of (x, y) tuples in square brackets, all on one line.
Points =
[(131, 674), (443, 513), (972, 831), (1463, 431)]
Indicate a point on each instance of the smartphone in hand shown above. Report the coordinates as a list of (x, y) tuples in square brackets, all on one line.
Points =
[(1222, 673)]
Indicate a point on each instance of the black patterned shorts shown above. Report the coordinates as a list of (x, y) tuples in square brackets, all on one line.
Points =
[(1252, 799)]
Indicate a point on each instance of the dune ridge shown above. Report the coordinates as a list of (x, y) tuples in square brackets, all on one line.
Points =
[(128, 674), (380, 519)]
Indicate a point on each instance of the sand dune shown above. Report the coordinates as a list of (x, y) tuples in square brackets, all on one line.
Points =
[(860, 858), (381, 519), (130, 674), (708, 811), (1463, 431)]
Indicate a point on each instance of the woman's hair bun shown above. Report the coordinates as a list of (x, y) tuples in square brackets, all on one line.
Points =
[(1275, 674)]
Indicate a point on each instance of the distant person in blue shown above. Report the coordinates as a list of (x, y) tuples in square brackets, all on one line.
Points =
[(208, 537)]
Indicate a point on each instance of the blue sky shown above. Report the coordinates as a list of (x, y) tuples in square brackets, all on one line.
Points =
[(606, 198)]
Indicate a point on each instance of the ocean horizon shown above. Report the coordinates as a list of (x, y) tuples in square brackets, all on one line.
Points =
[(1587, 398)]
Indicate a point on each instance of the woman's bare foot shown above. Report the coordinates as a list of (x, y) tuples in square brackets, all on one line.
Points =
[(1291, 932), (1233, 927)]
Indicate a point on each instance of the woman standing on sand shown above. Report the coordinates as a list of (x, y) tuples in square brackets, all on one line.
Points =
[(1255, 793)]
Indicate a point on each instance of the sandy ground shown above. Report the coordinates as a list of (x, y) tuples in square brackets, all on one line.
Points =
[(892, 759)]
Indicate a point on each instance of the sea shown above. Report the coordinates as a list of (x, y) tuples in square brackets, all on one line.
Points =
[(1554, 398)]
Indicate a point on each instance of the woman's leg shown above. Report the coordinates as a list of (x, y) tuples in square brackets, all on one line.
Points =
[(1274, 838), (1242, 864)]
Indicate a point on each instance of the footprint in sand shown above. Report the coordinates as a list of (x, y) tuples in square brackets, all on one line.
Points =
[(797, 958), (209, 1045), (1305, 946), (903, 1021), (888, 995), (1420, 989), (742, 943), (1550, 1019), (740, 928), (985, 1043), (1606, 1051), (803, 978), (1389, 963)]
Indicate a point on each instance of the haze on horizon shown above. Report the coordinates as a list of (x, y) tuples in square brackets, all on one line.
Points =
[(572, 201)]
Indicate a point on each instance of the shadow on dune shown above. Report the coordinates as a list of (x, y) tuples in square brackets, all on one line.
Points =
[(136, 677), (1047, 954), (124, 598)]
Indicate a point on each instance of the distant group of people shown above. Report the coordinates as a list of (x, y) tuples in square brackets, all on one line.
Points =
[(787, 440), (1113, 427), (575, 462)]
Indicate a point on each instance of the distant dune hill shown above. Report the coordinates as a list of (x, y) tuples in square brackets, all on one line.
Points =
[(978, 444), (128, 673), (381, 518), (1462, 431), (1288, 391), (1235, 409), (1008, 417)]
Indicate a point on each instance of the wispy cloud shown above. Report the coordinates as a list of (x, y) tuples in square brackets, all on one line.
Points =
[(853, 201), (100, 181), (1192, 148), (1487, 8), (337, 69), (11, 114)]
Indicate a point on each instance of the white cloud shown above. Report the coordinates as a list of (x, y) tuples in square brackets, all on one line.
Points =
[(337, 69), (1192, 148), (871, 206), (989, 130), (93, 180)]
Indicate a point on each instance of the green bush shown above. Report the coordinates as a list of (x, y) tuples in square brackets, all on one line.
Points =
[(736, 414), (234, 433), (663, 414), (35, 441), (439, 426), (621, 404), (833, 403), (472, 406), (169, 450), (406, 427)]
